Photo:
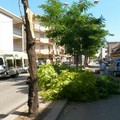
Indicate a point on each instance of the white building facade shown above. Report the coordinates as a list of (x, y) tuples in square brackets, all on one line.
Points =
[(11, 37)]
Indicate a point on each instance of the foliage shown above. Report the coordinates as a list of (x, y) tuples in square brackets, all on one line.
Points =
[(81, 88), (73, 85), (46, 74), (107, 85), (57, 85), (59, 68), (72, 26)]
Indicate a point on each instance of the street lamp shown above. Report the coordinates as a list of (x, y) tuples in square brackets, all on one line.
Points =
[(95, 2), (66, 3)]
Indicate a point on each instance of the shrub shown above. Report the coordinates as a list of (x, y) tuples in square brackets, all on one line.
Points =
[(87, 86), (57, 85), (107, 85), (46, 74), (74, 86), (58, 68)]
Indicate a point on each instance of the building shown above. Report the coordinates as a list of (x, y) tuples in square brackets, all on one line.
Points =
[(113, 50), (12, 44), (11, 32), (116, 52), (45, 48), (13, 38), (43, 45)]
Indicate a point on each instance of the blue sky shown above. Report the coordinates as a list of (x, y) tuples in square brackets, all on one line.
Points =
[(109, 9)]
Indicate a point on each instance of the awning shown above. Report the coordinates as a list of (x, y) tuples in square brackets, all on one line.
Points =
[(15, 54), (20, 54)]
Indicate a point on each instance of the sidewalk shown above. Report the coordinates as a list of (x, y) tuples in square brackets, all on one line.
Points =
[(47, 111), (105, 109)]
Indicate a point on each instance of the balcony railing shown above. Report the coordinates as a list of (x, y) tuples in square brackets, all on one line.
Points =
[(37, 27), (17, 32), (17, 48)]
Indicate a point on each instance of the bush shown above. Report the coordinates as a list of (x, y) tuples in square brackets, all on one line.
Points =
[(107, 85), (87, 87), (46, 74), (58, 68), (57, 85), (74, 86)]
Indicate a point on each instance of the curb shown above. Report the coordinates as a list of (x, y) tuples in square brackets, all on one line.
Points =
[(56, 110)]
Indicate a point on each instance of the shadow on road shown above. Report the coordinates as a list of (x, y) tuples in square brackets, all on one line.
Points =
[(2, 116), (20, 77)]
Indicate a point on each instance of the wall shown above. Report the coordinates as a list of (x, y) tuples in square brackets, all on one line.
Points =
[(6, 33)]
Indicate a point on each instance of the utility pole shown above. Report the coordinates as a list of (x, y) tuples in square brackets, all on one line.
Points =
[(30, 48)]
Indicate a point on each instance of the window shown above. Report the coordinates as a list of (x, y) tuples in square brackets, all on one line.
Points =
[(25, 62), (118, 64), (1, 61), (10, 63), (42, 47), (18, 62), (42, 36)]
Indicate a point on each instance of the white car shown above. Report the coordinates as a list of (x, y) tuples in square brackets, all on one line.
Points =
[(114, 68)]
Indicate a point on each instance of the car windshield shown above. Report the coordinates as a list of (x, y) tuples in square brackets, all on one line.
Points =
[(1, 61), (118, 64)]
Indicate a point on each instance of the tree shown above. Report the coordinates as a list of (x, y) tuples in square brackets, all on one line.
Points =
[(33, 83), (80, 32), (93, 37)]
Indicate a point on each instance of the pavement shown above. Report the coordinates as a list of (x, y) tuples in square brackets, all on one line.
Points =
[(104, 109), (51, 110)]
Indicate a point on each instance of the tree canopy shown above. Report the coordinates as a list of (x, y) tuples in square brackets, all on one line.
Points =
[(72, 26)]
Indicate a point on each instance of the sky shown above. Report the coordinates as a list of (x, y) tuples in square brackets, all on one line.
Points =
[(109, 9)]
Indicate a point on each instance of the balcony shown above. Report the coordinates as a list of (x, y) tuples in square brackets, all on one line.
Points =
[(45, 41), (18, 48), (37, 40), (17, 33), (39, 28)]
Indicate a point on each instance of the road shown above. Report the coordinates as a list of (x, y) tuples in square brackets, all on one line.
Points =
[(13, 93), (94, 65)]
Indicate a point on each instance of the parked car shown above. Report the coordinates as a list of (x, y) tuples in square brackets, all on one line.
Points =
[(40, 62), (114, 67), (107, 62)]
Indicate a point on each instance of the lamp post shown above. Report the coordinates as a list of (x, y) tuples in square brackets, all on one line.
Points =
[(95, 2), (65, 3)]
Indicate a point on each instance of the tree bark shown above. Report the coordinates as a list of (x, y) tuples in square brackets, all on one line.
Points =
[(30, 48), (77, 61), (86, 61)]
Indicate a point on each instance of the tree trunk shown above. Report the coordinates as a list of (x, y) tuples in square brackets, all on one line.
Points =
[(33, 84), (77, 61), (86, 61)]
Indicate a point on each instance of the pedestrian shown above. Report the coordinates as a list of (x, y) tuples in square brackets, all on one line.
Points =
[(103, 69)]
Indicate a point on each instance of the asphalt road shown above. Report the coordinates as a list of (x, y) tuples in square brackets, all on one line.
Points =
[(13, 93)]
